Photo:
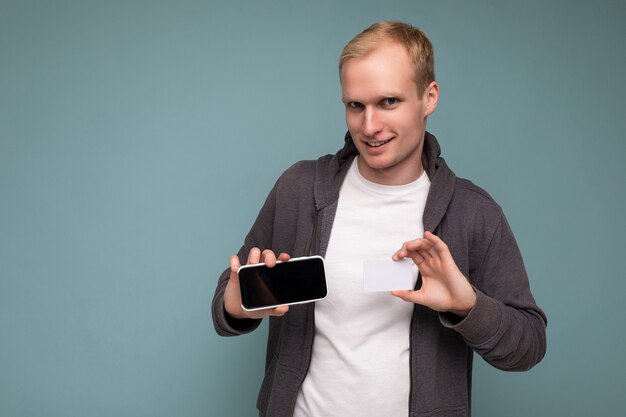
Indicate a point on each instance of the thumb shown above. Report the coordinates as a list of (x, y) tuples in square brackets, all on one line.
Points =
[(234, 267), (409, 296)]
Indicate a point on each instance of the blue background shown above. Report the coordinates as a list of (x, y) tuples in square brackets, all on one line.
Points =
[(138, 140)]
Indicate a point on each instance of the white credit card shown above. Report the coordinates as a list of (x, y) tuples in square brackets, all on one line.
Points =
[(388, 275)]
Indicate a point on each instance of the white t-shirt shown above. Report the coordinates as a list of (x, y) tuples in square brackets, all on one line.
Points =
[(360, 360)]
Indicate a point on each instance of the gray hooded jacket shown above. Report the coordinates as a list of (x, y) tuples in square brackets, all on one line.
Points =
[(506, 327)]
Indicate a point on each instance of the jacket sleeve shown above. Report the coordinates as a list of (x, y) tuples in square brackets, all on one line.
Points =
[(505, 327), (260, 236)]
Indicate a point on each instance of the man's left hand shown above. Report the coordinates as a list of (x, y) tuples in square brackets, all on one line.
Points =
[(444, 287)]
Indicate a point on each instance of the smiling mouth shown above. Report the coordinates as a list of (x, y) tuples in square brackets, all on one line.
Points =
[(377, 143)]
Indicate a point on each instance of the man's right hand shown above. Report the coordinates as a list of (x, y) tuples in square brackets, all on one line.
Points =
[(232, 294)]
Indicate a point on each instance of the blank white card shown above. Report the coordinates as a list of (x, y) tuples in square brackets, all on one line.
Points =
[(388, 275)]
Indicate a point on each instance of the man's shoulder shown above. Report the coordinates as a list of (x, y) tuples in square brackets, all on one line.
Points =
[(470, 196), (306, 170), (469, 189)]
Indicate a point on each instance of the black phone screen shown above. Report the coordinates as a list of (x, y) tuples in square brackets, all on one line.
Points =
[(296, 281)]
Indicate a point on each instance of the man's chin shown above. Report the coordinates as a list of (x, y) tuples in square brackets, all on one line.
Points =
[(367, 162)]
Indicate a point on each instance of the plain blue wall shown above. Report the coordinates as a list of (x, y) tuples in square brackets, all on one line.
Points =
[(138, 141)]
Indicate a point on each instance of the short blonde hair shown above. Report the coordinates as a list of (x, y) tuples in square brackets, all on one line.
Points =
[(415, 41)]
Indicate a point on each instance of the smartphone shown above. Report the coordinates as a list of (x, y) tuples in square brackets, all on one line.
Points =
[(296, 281)]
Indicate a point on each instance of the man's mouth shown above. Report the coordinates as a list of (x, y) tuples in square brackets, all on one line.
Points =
[(376, 144)]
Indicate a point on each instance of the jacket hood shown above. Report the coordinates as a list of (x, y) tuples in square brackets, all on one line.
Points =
[(332, 169)]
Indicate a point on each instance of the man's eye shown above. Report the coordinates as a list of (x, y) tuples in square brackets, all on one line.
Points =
[(355, 105), (390, 101)]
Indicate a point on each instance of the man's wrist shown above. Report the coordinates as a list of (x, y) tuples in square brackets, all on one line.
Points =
[(465, 310)]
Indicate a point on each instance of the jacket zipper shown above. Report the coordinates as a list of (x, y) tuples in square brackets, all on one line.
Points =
[(313, 234), (309, 251), (411, 331)]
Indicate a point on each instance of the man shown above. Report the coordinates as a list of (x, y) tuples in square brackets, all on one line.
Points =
[(386, 194)]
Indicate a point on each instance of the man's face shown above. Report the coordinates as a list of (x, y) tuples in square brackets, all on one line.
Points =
[(385, 115)]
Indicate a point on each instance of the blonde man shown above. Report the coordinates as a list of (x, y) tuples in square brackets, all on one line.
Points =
[(386, 194)]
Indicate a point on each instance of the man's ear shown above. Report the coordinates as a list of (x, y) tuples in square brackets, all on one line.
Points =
[(431, 98)]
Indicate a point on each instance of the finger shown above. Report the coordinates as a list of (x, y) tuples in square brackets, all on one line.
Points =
[(268, 258), (421, 255), (279, 311), (275, 311), (429, 253), (254, 257), (402, 294), (417, 258), (423, 247), (234, 263), (417, 244), (234, 269), (400, 254), (407, 252), (409, 296), (438, 244), (406, 249), (284, 257), (232, 297)]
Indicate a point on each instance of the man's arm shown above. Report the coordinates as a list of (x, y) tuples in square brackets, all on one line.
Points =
[(229, 318), (503, 324)]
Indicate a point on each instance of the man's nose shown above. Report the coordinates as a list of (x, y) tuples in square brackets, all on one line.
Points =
[(371, 122)]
